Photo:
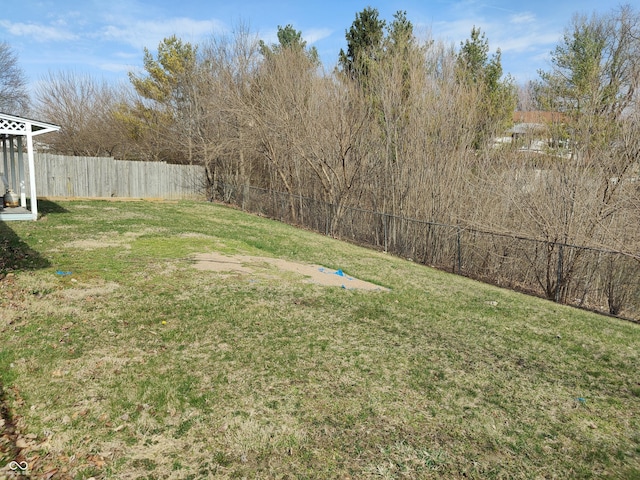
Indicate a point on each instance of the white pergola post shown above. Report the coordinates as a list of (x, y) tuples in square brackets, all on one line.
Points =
[(6, 164), (32, 176), (12, 154), (23, 189)]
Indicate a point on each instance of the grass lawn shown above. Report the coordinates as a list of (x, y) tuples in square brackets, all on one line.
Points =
[(120, 359)]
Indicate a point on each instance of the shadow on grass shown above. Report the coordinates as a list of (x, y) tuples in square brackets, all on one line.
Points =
[(16, 255), (47, 206)]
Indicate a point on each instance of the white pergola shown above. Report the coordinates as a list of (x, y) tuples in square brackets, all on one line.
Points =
[(14, 131)]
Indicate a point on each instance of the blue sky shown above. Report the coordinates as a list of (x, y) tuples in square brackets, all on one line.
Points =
[(106, 38)]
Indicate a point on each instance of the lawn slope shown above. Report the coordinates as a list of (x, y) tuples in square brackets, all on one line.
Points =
[(120, 359)]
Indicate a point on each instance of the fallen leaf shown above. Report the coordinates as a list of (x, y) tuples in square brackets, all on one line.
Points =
[(21, 443), (80, 413), (97, 460)]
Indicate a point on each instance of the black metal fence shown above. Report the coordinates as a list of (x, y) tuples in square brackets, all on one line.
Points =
[(601, 280)]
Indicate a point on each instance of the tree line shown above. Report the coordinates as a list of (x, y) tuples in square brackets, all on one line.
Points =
[(403, 126)]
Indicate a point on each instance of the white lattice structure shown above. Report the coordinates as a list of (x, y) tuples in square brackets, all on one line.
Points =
[(14, 132)]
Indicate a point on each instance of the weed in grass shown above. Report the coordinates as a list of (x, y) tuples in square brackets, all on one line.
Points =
[(183, 428), (144, 463)]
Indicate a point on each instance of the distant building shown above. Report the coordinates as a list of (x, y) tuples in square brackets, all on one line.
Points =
[(537, 130)]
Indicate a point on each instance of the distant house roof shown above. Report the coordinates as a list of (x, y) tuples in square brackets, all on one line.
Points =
[(526, 128)]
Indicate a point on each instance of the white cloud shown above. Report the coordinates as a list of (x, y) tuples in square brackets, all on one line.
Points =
[(524, 17), (454, 31), (523, 33), (316, 34), (39, 33), (150, 33), (116, 67), (526, 43), (126, 55)]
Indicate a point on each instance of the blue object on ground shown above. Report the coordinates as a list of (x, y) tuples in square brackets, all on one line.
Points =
[(60, 272), (340, 273)]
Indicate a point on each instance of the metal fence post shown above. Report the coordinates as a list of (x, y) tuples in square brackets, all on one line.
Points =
[(385, 227), (459, 252), (559, 273)]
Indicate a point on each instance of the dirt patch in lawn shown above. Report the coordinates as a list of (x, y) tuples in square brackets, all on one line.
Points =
[(317, 274)]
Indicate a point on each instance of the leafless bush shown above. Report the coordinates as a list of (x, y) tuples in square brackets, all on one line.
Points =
[(83, 107)]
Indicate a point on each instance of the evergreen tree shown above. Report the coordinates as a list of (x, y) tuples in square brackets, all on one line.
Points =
[(167, 74), (595, 77), (364, 41), (497, 97), (164, 111), (289, 38)]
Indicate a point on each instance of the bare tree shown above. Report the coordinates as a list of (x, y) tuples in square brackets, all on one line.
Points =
[(224, 139), (84, 108), (526, 97), (14, 98)]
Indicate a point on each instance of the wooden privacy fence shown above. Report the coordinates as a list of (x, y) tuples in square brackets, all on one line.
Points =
[(102, 177)]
